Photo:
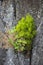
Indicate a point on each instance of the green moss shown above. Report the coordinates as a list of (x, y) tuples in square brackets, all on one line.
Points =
[(24, 32)]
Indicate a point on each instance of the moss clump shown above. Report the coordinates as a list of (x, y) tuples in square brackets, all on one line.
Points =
[(24, 32)]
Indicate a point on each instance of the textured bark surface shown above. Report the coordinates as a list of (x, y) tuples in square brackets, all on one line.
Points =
[(10, 12)]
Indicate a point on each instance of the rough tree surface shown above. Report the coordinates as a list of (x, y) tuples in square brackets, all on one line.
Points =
[(10, 12)]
